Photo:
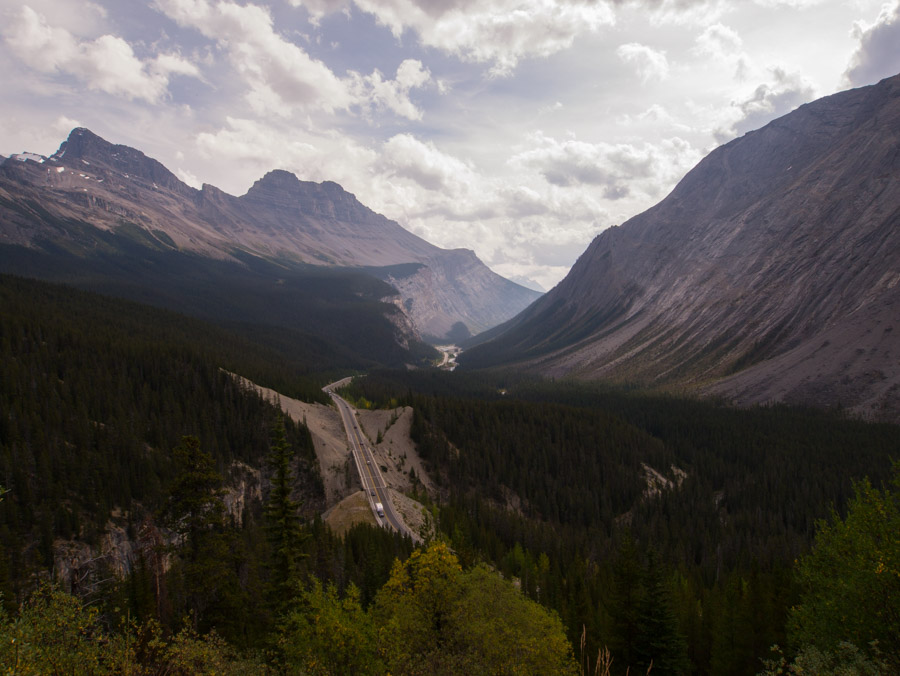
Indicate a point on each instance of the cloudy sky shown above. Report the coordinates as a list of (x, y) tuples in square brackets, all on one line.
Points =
[(517, 128)]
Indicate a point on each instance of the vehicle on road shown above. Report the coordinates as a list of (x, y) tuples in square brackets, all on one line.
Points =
[(379, 508)]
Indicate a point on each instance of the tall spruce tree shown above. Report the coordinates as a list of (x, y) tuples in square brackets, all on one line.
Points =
[(195, 511), (283, 527), (660, 643), (195, 503), (625, 601)]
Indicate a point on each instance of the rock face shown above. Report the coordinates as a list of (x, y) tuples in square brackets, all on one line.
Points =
[(770, 273), (281, 218)]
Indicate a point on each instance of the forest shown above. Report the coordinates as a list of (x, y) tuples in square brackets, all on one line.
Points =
[(581, 529), (600, 500)]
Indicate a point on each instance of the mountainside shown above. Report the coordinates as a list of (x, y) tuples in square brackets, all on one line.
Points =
[(770, 273), (280, 218)]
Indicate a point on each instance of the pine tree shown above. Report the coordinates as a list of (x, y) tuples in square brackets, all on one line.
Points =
[(195, 511), (195, 504), (625, 601), (282, 522), (660, 642)]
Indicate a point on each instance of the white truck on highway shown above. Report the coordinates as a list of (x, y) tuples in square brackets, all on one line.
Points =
[(379, 508)]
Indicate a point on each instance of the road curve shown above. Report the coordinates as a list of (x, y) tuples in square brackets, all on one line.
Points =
[(370, 475)]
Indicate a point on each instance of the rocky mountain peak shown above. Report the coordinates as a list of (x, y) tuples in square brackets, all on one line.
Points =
[(84, 146), (282, 190), (277, 180), (280, 217)]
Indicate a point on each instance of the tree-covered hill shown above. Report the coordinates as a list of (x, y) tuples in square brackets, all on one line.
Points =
[(120, 418), (624, 511), (95, 392), (334, 317)]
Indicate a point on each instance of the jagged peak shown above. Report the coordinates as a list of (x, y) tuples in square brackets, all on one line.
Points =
[(284, 181), (83, 144), (283, 188), (279, 180)]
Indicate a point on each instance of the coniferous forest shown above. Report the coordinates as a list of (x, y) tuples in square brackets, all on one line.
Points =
[(580, 529)]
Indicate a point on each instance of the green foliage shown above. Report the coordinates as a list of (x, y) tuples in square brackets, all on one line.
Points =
[(845, 660), (435, 618), (330, 636), (55, 633), (311, 316), (660, 644), (282, 521), (851, 578), (205, 581), (625, 602), (95, 394), (363, 557), (644, 631), (542, 479), (195, 503)]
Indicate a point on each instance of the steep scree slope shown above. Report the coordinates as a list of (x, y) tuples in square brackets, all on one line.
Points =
[(770, 273)]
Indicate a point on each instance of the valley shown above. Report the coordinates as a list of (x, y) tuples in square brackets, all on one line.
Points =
[(280, 433)]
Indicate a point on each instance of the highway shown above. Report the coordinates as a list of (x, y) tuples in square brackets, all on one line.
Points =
[(370, 475)]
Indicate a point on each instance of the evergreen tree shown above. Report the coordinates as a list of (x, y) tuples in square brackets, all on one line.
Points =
[(625, 601), (660, 643), (195, 503), (282, 522), (195, 511)]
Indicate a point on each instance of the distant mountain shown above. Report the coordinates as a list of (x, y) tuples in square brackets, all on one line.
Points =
[(770, 273), (280, 219)]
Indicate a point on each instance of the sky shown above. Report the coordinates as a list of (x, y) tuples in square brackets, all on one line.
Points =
[(520, 129)]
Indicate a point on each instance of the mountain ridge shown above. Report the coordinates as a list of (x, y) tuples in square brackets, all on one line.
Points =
[(280, 218), (775, 244)]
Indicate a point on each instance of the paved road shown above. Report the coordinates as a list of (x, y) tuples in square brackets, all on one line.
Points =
[(369, 473)]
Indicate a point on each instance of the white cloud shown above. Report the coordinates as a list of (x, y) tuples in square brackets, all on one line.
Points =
[(795, 4), (498, 32), (717, 41), (682, 12), (189, 178), (319, 8), (615, 169), (374, 92), (252, 147), (878, 52), (281, 76), (107, 63), (405, 156), (82, 19), (340, 97), (650, 63), (785, 92)]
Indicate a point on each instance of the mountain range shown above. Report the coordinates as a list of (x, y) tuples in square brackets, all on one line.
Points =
[(771, 273), (45, 203)]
